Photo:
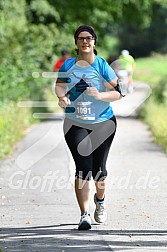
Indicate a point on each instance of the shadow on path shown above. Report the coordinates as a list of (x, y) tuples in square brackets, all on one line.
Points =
[(65, 238)]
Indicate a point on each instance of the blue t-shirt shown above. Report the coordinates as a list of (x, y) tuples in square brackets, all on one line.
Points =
[(84, 108)]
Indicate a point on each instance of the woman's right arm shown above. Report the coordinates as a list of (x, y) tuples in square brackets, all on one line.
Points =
[(60, 90)]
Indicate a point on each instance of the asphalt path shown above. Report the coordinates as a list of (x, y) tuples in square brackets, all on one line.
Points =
[(39, 211)]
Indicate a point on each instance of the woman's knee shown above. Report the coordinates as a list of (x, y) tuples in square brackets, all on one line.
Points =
[(84, 175), (100, 175)]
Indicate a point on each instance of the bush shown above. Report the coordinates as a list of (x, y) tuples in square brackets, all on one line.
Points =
[(13, 121), (25, 48), (160, 91), (155, 115)]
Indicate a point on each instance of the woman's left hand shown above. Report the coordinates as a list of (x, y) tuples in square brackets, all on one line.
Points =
[(92, 91)]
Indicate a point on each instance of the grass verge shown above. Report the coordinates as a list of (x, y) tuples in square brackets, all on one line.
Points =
[(152, 70), (13, 122), (155, 115)]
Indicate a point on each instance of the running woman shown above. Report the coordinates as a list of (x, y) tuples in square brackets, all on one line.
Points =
[(86, 86)]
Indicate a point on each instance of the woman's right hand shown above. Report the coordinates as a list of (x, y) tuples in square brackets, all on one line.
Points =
[(64, 101)]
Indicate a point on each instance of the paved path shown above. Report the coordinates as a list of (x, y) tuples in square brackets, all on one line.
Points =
[(39, 211)]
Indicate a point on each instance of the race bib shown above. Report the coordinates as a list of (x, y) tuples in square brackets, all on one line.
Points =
[(85, 110)]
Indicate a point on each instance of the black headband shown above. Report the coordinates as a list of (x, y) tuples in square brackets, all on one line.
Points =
[(84, 28)]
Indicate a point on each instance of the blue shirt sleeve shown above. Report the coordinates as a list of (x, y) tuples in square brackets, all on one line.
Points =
[(63, 71), (108, 72)]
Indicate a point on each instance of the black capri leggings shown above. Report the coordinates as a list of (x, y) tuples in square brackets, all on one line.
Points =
[(89, 145)]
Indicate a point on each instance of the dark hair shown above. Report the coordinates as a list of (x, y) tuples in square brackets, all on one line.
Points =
[(82, 28), (87, 28), (64, 52)]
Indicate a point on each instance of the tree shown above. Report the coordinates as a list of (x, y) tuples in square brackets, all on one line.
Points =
[(142, 40)]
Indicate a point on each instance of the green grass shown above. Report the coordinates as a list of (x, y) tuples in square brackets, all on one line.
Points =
[(153, 114), (152, 70), (13, 122)]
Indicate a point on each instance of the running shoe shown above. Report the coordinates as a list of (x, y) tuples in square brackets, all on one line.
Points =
[(85, 222), (100, 214)]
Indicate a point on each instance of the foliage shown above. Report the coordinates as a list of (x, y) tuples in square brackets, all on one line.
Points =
[(160, 91), (154, 113), (151, 69), (25, 48), (13, 121), (151, 37), (21, 54), (42, 11)]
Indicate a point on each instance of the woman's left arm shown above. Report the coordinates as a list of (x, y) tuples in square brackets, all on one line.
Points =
[(108, 96)]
